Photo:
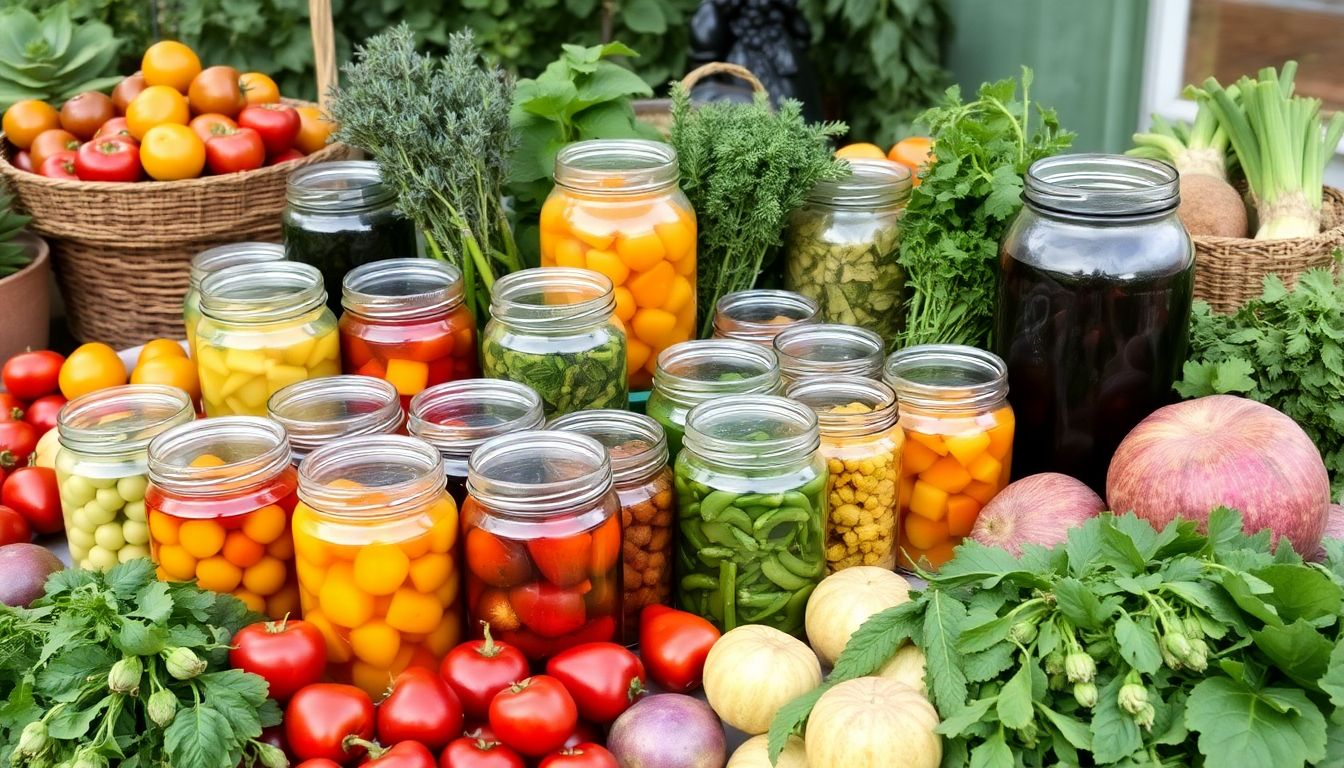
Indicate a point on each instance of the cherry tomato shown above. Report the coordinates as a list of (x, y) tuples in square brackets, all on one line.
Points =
[(420, 708), (13, 528), (259, 88), (108, 160), (496, 561), (11, 407), (18, 440), (208, 126), (25, 120), (405, 754), (50, 143), (60, 166), (89, 368), (315, 129), (23, 161), (238, 150), (278, 125), (30, 375), (85, 113), (548, 610), (42, 413), (286, 156), (34, 493), (320, 716), (171, 152), (478, 751), (116, 128), (585, 755), (126, 91), (288, 654), (673, 645), (534, 716), (156, 105), (170, 63), (478, 669), (216, 89), (604, 679)]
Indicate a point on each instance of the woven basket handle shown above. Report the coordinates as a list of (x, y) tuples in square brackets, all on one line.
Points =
[(721, 68), (324, 47)]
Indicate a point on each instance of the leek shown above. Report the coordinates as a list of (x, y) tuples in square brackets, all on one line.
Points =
[(1201, 147)]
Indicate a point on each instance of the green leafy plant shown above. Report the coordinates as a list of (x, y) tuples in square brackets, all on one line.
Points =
[(13, 256), (51, 58)]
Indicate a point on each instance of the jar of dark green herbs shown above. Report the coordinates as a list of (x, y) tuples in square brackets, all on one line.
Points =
[(338, 216), (694, 372), (555, 330), (842, 248)]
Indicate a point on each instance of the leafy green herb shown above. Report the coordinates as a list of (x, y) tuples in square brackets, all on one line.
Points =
[(963, 205), (1124, 646), (1284, 349), (51, 58), (567, 379), (13, 256), (119, 668)]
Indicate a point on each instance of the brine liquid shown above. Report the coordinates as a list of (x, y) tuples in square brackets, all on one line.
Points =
[(1088, 358)]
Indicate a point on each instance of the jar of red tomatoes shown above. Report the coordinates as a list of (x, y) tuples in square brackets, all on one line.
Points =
[(321, 411), (543, 542), (220, 497)]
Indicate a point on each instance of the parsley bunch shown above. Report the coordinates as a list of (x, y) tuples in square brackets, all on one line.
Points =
[(1125, 646), (122, 669)]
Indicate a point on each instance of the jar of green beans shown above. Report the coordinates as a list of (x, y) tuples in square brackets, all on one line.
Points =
[(693, 372)]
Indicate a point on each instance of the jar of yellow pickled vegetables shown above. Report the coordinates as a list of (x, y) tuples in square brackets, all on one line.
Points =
[(616, 209), (374, 533), (221, 492), (316, 412), (861, 443), (758, 315), (213, 260), (263, 327), (828, 349), (958, 451)]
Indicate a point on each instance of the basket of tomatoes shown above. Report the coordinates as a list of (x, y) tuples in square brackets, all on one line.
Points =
[(128, 186)]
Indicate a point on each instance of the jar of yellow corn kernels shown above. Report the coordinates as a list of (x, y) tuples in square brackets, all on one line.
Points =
[(374, 533), (221, 492), (862, 443), (263, 327)]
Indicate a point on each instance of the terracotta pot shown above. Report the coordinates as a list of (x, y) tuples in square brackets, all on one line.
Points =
[(25, 303)]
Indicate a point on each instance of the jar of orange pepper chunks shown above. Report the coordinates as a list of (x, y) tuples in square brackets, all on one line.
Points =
[(373, 534), (543, 542), (405, 322), (616, 209), (316, 412), (221, 493), (959, 444)]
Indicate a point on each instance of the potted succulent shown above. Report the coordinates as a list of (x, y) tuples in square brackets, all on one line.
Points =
[(24, 273)]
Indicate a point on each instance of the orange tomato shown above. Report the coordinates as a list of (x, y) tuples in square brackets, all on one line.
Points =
[(92, 367), (216, 89), (173, 371), (314, 130), (25, 120), (170, 63), (914, 152), (159, 348), (861, 149), (170, 152), (259, 88), (210, 125), (156, 105)]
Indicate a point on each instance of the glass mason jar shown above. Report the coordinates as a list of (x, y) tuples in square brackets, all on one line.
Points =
[(543, 542), (404, 321), (694, 372), (828, 349), (758, 315), (643, 482), (263, 327), (221, 494), (616, 209), (374, 534), (1093, 312), (213, 260), (862, 443), (457, 417), (751, 490), (841, 247), (317, 412), (958, 451), (553, 329), (102, 468), (338, 215)]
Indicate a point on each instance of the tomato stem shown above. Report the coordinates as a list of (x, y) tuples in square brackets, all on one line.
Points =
[(374, 749), (488, 648)]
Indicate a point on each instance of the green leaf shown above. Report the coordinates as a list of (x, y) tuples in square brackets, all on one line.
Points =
[(944, 618), (201, 737), (1138, 644), (1114, 733), (969, 715), (877, 639), (74, 722), (1333, 681), (1079, 604), (644, 16), (63, 678), (1246, 590), (154, 603), (986, 566), (609, 82), (139, 639), (791, 719), (1298, 650), (1241, 726), (993, 752), (128, 578), (237, 695), (1074, 731), (1014, 705), (1301, 592)]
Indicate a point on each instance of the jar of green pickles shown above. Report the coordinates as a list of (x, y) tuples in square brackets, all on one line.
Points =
[(751, 495), (828, 349), (758, 315), (694, 372), (317, 412), (103, 468), (213, 260)]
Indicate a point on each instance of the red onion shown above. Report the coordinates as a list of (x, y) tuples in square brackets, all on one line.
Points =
[(668, 730), (1038, 509)]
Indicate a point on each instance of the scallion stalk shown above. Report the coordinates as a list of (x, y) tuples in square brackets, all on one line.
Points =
[(1201, 147)]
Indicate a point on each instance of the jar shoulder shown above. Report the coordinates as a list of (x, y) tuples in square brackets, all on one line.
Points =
[(1121, 250)]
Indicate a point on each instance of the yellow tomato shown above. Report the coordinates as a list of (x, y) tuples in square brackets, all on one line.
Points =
[(92, 367), (156, 105), (862, 149), (174, 371), (159, 348), (170, 152), (259, 88), (170, 63), (314, 130)]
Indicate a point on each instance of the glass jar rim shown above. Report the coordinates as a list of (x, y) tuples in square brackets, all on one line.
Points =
[(338, 186), (123, 419), (1099, 185), (536, 452), (261, 293), (617, 430), (675, 375), (637, 165), (383, 477), (946, 376), (518, 299), (751, 312), (487, 408), (824, 395), (231, 255), (257, 448), (401, 288), (314, 412), (870, 183), (724, 431), (829, 348)]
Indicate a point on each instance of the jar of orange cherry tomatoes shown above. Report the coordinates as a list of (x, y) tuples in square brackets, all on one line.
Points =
[(760, 314), (316, 412), (958, 450), (543, 542), (221, 493), (616, 209), (404, 321), (373, 537)]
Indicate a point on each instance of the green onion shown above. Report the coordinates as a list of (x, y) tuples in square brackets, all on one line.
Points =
[(1198, 148)]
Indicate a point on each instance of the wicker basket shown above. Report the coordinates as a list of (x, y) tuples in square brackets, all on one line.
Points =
[(658, 112), (1229, 271)]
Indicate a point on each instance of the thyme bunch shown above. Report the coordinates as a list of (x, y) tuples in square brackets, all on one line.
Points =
[(439, 130)]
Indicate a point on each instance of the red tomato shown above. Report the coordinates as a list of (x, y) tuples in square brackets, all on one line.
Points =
[(278, 125), (42, 412), (60, 166), (320, 762), (11, 407), (420, 708), (108, 160), (476, 751), (18, 440), (585, 755), (210, 125), (534, 716), (320, 716), (23, 160), (604, 679), (547, 609), (34, 493), (564, 562), (496, 561), (234, 150), (50, 143), (286, 156), (406, 754), (116, 128), (478, 669), (30, 375), (673, 645), (287, 654), (537, 647), (13, 528)]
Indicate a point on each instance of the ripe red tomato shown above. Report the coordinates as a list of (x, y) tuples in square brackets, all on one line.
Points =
[(405, 754), (604, 679), (216, 89), (30, 375), (476, 750), (18, 440), (498, 562), (23, 160), (420, 708), (320, 716), (13, 528), (11, 407), (116, 128), (50, 143), (563, 561), (278, 125), (208, 126), (320, 762), (59, 166), (34, 493), (287, 654), (108, 160), (534, 716), (42, 413), (673, 645), (236, 150), (585, 755), (286, 156), (478, 669), (548, 610)]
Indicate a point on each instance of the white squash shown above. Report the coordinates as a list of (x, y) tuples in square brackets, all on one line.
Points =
[(755, 753), (906, 666), (870, 722), (754, 670), (846, 599)]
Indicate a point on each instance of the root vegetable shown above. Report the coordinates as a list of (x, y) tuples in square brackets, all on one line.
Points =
[(754, 670), (669, 730), (26, 568), (870, 722), (1211, 207), (1038, 509), (846, 599)]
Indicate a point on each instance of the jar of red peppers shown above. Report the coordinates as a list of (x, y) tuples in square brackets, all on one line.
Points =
[(543, 541), (405, 322), (374, 533), (458, 416), (643, 481), (220, 497), (320, 411), (958, 451)]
